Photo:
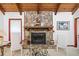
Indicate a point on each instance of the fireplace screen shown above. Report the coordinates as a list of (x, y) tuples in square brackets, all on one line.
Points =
[(38, 38)]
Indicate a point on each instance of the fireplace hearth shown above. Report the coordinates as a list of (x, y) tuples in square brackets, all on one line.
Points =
[(38, 38)]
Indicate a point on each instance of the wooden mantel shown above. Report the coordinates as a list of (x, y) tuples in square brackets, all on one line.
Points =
[(38, 28)]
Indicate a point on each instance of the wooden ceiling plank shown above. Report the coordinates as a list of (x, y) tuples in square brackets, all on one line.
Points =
[(37, 7), (58, 6), (2, 9), (75, 8), (19, 8)]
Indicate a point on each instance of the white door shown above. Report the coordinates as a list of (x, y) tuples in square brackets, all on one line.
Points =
[(78, 33), (15, 33)]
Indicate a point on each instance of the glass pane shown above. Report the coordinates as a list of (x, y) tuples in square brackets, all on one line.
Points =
[(15, 26)]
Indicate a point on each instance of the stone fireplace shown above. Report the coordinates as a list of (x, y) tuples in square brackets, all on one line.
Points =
[(38, 38), (40, 28)]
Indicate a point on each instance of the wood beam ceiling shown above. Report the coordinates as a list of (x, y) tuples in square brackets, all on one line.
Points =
[(58, 6), (75, 8), (38, 8), (2, 9), (19, 8)]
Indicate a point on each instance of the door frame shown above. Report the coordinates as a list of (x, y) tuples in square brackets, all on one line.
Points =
[(10, 29), (75, 32)]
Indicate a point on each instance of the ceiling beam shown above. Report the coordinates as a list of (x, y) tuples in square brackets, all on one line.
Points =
[(58, 6), (38, 8), (19, 8), (75, 8), (2, 9)]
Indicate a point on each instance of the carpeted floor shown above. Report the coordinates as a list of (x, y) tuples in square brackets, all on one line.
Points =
[(51, 52)]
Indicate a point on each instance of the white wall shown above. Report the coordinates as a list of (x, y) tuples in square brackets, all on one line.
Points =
[(1, 23), (64, 37), (10, 15)]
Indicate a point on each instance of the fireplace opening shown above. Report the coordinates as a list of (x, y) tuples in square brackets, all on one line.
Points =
[(38, 38)]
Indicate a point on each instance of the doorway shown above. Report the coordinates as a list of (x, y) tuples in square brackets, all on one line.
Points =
[(76, 32), (15, 33)]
